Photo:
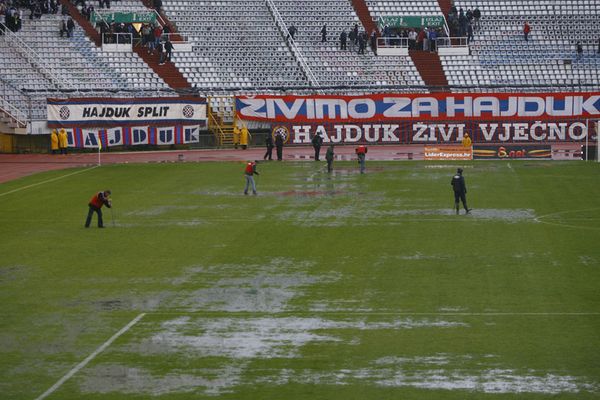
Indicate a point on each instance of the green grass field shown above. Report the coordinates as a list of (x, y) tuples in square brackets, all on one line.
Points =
[(341, 286)]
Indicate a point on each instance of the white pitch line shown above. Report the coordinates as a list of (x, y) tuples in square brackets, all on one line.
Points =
[(89, 358), (391, 313), (47, 181)]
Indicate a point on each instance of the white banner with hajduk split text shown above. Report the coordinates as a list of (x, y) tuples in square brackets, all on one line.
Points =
[(92, 138), (113, 112)]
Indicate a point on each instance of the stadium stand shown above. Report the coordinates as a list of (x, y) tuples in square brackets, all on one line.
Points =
[(236, 45), (500, 55), (335, 67), (38, 59)]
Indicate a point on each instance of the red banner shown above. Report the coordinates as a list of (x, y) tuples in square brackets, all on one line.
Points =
[(396, 108)]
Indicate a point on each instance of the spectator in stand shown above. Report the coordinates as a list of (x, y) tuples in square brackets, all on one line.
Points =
[(145, 32), (579, 49), (526, 30), (355, 29), (412, 39), (157, 4), (476, 17), (469, 15), (462, 23), (168, 49), (425, 39), (70, 27), (150, 39), (420, 39), (324, 33), (291, 32), (63, 27), (374, 41), (362, 42), (343, 40), (352, 39), (432, 39), (157, 34), (161, 53), (469, 33)]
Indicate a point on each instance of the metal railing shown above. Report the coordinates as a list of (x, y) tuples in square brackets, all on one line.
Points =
[(7, 90), (38, 62), (451, 42), (393, 42), (295, 49), (13, 112), (170, 36)]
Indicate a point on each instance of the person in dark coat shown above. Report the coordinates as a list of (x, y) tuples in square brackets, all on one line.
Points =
[(324, 34), (161, 53), (329, 157), (269, 144), (168, 49), (343, 38), (374, 42), (291, 32), (70, 27), (279, 146), (362, 43), (460, 191), (317, 142)]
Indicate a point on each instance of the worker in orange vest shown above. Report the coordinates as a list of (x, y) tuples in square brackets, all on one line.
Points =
[(361, 152), (249, 173), (96, 202)]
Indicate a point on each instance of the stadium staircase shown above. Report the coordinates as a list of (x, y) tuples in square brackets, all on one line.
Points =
[(430, 67), (445, 6), (219, 125), (428, 64), (363, 13), (11, 120), (168, 72), (89, 30)]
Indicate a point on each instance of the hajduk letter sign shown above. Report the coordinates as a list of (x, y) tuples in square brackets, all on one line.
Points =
[(105, 112), (428, 118), (92, 138)]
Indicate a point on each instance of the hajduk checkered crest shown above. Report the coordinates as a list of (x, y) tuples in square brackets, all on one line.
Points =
[(64, 112), (188, 111)]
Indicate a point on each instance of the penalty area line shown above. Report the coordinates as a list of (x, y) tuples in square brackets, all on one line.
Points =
[(47, 181), (89, 358)]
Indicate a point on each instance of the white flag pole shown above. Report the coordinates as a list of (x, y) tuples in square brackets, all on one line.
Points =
[(99, 148)]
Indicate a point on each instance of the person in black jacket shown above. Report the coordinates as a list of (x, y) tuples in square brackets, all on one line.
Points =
[(279, 145), (269, 144), (168, 50), (317, 142), (460, 191)]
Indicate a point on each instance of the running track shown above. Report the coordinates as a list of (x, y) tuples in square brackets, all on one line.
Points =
[(14, 166)]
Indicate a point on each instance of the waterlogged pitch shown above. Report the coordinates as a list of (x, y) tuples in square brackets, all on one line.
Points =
[(324, 286)]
